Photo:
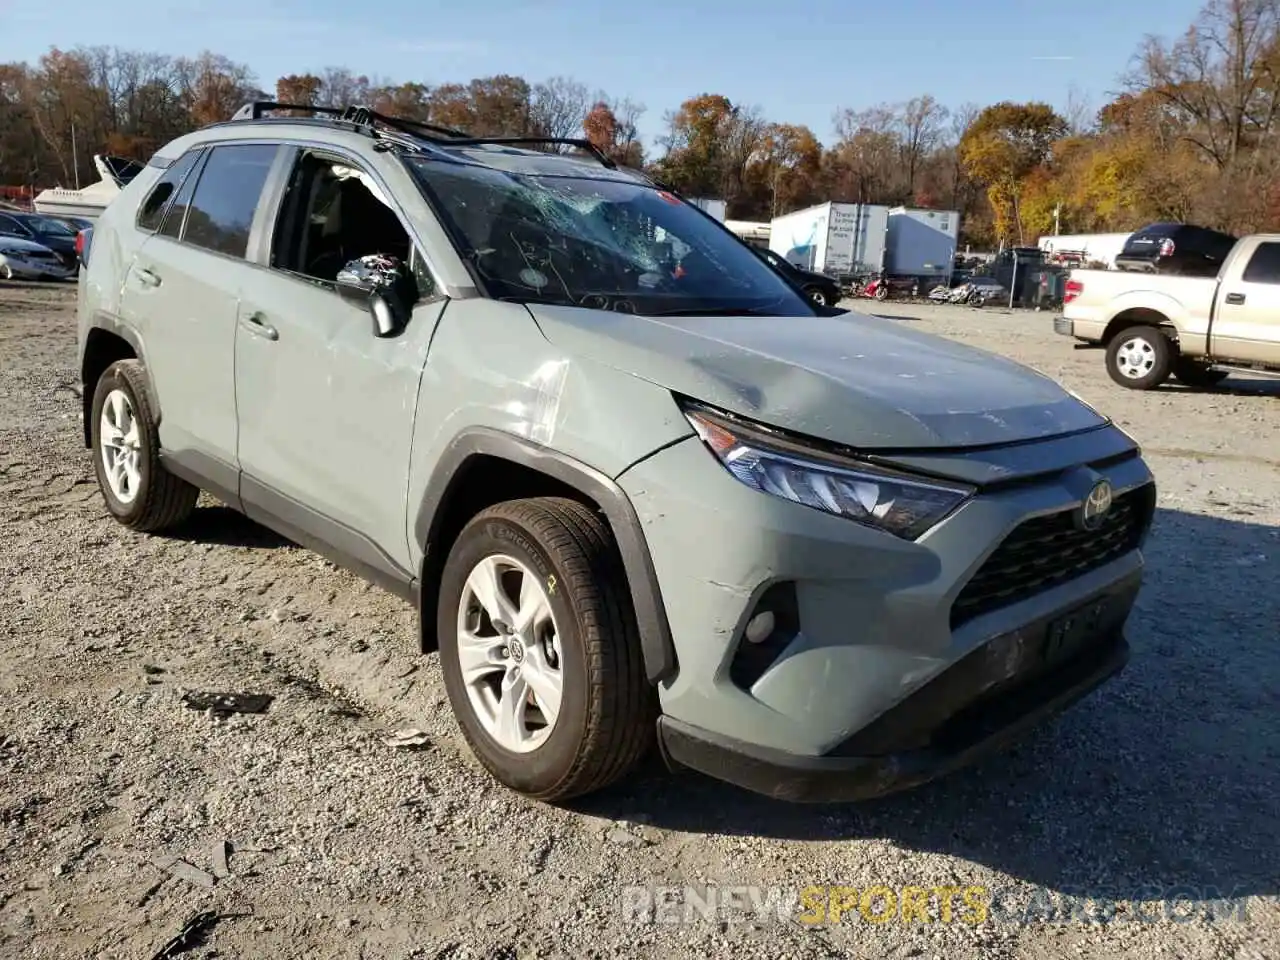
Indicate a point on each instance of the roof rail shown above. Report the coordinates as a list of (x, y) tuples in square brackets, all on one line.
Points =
[(357, 115), (366, 117)]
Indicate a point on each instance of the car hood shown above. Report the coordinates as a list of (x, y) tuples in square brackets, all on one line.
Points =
[(854, 379)]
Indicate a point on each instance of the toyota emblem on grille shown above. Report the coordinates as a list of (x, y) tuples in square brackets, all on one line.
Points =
[(1095, 507)]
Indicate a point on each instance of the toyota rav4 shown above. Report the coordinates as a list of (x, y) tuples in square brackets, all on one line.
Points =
[(639, 488)]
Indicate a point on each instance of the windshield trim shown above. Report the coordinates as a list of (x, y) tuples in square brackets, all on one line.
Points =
[(461, 242)]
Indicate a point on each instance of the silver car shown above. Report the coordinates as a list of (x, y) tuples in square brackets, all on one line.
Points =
[(27, 260), (638, 487)]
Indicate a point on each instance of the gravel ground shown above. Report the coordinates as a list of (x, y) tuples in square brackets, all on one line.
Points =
[(1160, 787)]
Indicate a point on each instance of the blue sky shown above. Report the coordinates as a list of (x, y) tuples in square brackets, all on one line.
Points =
[(799, 62)]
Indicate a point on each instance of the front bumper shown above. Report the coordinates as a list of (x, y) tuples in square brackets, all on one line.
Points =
[(870, 628), (1007, 711)]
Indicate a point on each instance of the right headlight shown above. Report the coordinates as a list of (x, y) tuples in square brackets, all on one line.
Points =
[(896, 503)]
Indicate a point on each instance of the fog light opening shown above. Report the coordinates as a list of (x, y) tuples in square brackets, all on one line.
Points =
[(773, 623), (761, 626)]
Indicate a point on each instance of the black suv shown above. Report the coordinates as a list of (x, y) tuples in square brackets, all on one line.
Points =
[(1176, 248), (818, 287)]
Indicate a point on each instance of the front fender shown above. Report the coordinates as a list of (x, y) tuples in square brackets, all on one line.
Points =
[(646, 596)]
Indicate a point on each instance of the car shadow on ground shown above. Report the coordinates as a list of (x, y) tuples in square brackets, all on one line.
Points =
[(222, 525), (1236, 385), (1163, 779)]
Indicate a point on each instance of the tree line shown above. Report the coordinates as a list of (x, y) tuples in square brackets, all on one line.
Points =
[(1192, 134)]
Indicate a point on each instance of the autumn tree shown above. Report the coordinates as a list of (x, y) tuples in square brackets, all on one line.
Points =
[(709, 142), (611, 129), (1003, 145), (919, 122)]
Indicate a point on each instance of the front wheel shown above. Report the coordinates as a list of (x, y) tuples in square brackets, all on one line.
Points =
[(1140, 358), (138, 490), (817, 296), (882, 292), (540, 651)]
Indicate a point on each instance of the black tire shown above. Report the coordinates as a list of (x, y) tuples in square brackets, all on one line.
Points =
[(882, 292), (817, 296), (606, 721), (1146, 342), (1193, 373), (160, 500)]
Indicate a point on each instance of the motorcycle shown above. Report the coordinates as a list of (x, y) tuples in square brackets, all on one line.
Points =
[(879, 287)]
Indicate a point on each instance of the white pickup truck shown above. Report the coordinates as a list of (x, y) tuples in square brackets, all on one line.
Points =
[(1197, 329)]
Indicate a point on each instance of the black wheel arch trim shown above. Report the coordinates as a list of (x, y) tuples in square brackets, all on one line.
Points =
[(109, 324), (655, 631)]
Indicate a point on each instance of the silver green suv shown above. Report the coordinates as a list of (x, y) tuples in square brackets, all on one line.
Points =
[(639, 487)]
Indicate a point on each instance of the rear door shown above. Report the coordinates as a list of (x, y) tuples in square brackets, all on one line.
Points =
[(1247, 323), (181, 294)]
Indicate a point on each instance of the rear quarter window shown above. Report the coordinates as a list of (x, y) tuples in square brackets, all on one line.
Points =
[(152, 209)]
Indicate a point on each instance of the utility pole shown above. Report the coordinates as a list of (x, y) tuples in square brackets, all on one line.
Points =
[(75, 157), (1057, 209)]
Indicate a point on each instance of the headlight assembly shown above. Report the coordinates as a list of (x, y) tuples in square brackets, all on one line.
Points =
[(896, 503)]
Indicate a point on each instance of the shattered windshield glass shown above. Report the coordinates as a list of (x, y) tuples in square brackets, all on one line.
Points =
[(602, 244)]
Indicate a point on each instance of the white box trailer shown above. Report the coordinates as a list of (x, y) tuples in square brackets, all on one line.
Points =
[(717, 208), (1079, 249), (838, 239), (922, 243)]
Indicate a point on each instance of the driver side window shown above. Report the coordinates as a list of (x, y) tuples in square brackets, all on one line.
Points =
[(333, 212)]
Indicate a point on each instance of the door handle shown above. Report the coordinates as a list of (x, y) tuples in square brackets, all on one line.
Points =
[(148, 278), (1235, 299), (256, 324)]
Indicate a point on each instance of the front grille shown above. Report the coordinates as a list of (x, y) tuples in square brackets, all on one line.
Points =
[(1043, 552)]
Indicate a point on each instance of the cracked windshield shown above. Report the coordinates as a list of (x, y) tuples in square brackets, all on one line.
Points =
[(600, 244)]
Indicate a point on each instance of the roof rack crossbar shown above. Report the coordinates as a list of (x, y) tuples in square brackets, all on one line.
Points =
[(580, 143)]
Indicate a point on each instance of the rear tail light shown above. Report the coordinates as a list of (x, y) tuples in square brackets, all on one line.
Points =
[(84, 239), (1166, 248), (1072, 290)]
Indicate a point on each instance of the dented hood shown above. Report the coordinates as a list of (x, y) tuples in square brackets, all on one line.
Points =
[(858, 380)]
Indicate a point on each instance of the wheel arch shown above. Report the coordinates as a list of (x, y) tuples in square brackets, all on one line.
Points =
[(1140, 317), (483, 466), (104, 344)]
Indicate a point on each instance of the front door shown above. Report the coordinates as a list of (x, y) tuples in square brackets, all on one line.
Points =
[(326, 408), (1247, 322)]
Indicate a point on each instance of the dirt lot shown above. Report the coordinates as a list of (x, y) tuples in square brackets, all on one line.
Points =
[(1160, 787)]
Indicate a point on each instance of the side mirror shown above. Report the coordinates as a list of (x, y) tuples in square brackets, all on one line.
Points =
[(382, 285)]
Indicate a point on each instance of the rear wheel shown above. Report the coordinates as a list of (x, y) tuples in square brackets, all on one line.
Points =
[(138, 490), (1140, 358), (1196, 374), (540, 652)]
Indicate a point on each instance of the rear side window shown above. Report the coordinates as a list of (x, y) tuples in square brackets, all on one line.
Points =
[(1264, 265), (151, 213), (227, 196), (176, 215)]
